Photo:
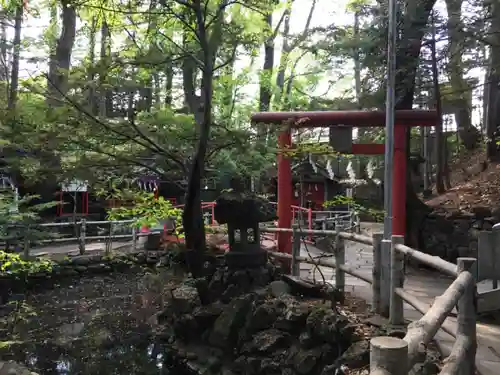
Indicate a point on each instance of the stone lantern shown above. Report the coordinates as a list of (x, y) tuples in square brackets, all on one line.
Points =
[(242, 213)]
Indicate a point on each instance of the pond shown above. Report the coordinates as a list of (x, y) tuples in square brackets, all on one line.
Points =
[(90, 325)]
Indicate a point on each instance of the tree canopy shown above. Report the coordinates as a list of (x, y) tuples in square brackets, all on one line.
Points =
[(120, 88)]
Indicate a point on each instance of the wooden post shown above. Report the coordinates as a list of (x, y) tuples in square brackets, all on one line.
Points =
[(466, 319), (388, 355), (26, 249), (339, 261), (83, 231), (494, 258), (385, 277), (487, 259), (396, 315), (134, 238), (376, 271), (296, 237), (109, 241)]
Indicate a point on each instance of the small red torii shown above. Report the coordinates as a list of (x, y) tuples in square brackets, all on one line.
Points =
[(344, 119)]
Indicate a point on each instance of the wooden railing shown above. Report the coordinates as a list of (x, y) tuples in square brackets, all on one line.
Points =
[(80, 235), (391, 355), (348, 221)]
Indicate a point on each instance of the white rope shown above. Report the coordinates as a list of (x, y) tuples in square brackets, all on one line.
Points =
[(329, 169), (313, 164)]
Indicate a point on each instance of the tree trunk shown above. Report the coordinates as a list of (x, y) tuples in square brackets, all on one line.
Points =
[(439, 143), (131, 103), (192, 218), (156, 88), (414, 25), (265, 79), (265, 90), (103, 68), (229, 89), (189, 74), (287, 49), (469, 135), (14, 75), (60, 59), (4, 63), (285, 54), (493, 79), (169, 83), (357, 68), (357, 61), (486, 92), (146, 96), (91, 97)]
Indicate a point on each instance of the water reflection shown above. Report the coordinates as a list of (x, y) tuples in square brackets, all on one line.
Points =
[(97, 325), (133, 357)]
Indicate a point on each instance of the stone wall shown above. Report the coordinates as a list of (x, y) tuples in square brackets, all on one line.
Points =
[(454, 234)]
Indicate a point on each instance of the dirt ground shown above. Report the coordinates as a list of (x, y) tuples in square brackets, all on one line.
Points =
[(471, 185)]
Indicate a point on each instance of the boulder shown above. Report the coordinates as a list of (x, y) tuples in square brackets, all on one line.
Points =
[(294, 317), (306, 361), (279, 288), (205, 316), (321, 324), (266, 342), (184, 299), (185, 327), (357, 355), (227, 326), (263, 317)]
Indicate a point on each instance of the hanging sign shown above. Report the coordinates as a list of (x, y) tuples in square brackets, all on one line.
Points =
[(341, 138), (348, 192)]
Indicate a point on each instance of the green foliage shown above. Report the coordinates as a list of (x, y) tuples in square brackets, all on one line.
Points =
[(19, 218), (338, 200), (144, 209), (304, 149), (13, 265)]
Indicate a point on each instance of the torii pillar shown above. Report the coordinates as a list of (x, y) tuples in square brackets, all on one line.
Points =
[(344, 120)]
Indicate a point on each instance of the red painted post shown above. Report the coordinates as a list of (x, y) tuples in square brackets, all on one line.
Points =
[(213, 216), (284, 192), (309, 221), (399, 182), (61, 203), (86, 203)]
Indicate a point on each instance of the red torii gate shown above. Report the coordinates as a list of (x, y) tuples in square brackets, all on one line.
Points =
[(403, 120)]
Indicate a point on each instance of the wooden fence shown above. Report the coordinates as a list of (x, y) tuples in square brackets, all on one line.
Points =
[(80, 235), (391, 355)]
